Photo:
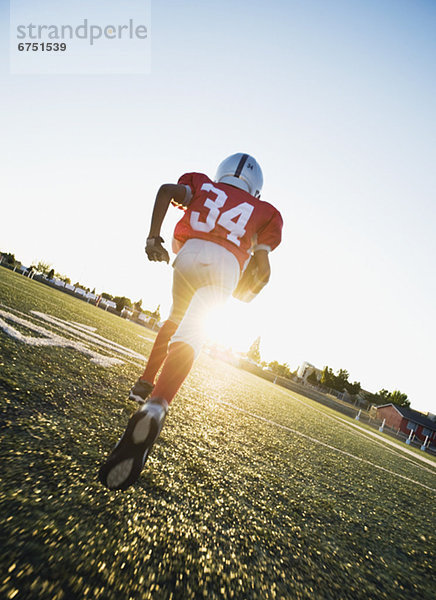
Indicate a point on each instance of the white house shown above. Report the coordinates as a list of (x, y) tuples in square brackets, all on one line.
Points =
[(306, 369), (144, 318)]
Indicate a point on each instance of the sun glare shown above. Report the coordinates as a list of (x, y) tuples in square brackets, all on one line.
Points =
[(223, 327)]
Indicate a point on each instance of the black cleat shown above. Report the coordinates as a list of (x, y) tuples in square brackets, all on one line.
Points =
[(140, 391), (126, 461)]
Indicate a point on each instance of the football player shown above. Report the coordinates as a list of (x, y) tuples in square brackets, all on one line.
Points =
[(222, 243)]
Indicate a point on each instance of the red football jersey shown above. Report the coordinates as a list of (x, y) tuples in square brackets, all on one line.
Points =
[(226, 215)]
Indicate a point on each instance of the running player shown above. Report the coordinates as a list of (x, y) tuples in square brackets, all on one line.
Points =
[(222, 244)]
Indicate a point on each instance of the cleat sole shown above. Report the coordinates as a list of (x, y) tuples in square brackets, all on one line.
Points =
[(125, 463)]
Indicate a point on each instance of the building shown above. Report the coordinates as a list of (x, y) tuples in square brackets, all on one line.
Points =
[(306, 369), (126, 313), (407, 420)]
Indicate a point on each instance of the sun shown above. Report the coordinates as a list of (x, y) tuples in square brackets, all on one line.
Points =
[(225, 327)]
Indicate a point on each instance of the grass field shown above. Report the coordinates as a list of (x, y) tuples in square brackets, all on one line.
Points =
[(251, 491)]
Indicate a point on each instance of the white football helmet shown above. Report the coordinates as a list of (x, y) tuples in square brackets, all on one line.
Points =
[(242, 171)]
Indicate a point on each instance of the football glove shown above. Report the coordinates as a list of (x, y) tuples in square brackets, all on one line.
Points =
[(247, 283), (155, 251)]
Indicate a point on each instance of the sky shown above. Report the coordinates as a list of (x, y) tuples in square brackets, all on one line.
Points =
[(335, 99)]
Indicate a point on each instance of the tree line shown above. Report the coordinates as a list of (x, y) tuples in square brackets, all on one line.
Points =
[(124, 302), (48, 271), (329, 380)]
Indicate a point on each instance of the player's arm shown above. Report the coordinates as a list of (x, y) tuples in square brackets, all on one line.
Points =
[(263, 270), (254, 278), (167, 192), (258, 271)]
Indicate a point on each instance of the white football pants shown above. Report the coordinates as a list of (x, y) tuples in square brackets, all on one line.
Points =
[(205, 275)]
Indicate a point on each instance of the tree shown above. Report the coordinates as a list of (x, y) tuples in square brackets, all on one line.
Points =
[(282, 370), (254, 351), (121, 302), (384, 395), (107, 296), (156, 313), (328, 378), (339, 382), (341, 379), (50, 274), (80, 285), (399, 398), (10, 258), (43, 267), (353, 388), (313, 379), (381, 397), (138, 305), (153, 315), (63, 278)]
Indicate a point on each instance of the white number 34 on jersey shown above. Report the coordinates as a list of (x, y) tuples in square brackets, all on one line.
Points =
[(234, 220)]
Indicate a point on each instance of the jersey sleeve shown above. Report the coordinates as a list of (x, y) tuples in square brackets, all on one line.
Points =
[(270, 235), (192, 182)]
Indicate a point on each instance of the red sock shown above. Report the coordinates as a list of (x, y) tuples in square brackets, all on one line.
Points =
[(175, 370), (159, 351)]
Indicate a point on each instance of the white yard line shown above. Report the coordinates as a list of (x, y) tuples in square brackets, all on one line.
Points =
[(51, 339), (391, 443), (316, 441), (82, 326), (77, 330), (371, 433), (94, 338)]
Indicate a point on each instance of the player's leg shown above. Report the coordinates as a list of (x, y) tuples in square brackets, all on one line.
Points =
[(182, 293), (145, 384), (187, 342), (126, 461), (128, 458), (217, 273), (124, 464)]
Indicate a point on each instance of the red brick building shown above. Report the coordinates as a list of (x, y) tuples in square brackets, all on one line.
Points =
[(407, 420)]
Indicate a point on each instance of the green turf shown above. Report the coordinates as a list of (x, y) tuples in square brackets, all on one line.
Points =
[(245, 495), (365, 429)]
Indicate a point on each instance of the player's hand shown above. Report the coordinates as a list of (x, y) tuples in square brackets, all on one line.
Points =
[(254, 278), (245, 290), (155, 251)]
